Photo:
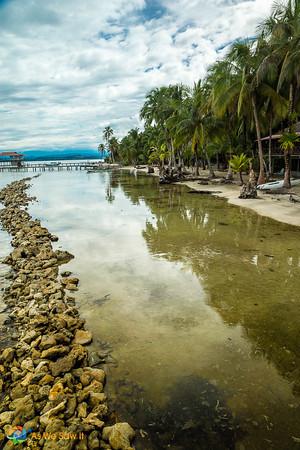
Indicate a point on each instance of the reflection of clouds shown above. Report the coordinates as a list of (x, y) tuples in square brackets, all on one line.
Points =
[(107, 240)]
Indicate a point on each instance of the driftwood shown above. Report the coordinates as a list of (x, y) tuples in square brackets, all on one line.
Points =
[(204, 192), (170, 175)]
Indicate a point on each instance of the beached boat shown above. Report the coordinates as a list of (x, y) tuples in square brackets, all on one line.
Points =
[(276, 185)]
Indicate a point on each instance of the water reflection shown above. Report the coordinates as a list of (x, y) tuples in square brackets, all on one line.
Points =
[(249, 267), (198, 302)]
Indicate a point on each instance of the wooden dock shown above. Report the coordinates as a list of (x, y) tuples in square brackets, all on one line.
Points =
[(42, 167)]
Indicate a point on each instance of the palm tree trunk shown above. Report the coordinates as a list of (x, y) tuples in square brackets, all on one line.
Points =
[(261, 177), (241, 178), (197, 162), (270, 147), (173, 160), (210, 169), (287, 170), (229, 175), (287, 156), (291, 103)]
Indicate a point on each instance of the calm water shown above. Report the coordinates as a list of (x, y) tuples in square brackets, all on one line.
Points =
[(196, 302)]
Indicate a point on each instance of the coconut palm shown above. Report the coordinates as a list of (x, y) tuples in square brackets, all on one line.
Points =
[(101, 150), (238, 87), (282, 29), (190, 124), (160, 106), (239, 164), (113, 146), (288, 141), (107, 134)]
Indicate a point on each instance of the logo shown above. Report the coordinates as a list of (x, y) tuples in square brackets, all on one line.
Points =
[(18, 435)]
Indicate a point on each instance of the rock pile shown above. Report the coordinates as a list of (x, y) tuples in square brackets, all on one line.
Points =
[(46, 383)]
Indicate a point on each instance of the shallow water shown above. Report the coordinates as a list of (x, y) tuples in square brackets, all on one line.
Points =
[(196, 302)]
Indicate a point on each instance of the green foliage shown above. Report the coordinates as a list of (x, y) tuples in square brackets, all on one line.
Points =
[(288, 141), (239, 163), (253, 90), (158, 155)]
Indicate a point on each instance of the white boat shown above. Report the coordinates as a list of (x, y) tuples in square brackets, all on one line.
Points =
[(276, 185)]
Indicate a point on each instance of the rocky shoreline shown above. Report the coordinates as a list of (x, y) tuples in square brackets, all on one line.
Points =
[(48, 385)]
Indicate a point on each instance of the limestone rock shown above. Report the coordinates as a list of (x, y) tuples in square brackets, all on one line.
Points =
[(62, 365), (57, 391), (54, 352), (119, 436), (82, 337), (6, 418), (23, 408), (8, 355), (46, 418)]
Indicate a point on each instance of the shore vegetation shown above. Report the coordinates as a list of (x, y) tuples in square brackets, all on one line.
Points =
[(248, 94)]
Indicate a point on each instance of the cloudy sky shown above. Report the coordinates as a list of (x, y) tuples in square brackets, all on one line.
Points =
[(68, 68)]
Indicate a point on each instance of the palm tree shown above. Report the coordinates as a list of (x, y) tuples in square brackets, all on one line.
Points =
[(287, 144), (191, 124), (239, 163), (101, 150), (161, 105), (107, 134), (282, 29), (239, 86), (113, 146)]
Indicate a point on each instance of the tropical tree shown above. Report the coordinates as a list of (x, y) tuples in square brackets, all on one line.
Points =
[(101, 150), (160, 106), (107, 135), (113, 146), (239, 164), (288, 141), (158, 156), (282, 30)]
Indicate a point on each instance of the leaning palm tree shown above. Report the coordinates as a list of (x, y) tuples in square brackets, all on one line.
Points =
[(239, 86)]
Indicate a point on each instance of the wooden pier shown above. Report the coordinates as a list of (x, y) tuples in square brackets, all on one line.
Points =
[(49, 166)]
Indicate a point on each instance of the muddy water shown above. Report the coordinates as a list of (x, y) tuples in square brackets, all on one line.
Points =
[(194, 306)]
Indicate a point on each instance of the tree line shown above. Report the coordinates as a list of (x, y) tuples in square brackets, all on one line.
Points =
[(221, 120)]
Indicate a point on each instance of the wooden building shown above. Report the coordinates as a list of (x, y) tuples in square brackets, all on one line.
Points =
[(277, 153), (13, 159)]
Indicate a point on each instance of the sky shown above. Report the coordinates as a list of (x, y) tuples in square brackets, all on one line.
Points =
[(68, 68)]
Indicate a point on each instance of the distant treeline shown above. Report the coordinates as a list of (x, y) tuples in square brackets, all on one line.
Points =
[(246, 95)]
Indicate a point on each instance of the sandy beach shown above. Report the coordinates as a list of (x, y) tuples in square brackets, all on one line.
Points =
[(274, 206)]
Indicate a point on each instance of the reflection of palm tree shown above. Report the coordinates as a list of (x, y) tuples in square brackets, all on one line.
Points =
[(111, 184), (219, 245), (109, 194)]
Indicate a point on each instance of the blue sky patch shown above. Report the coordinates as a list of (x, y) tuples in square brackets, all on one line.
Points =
[(153, 10)]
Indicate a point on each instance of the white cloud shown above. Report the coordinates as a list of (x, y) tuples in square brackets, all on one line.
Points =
[(68, 68)]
